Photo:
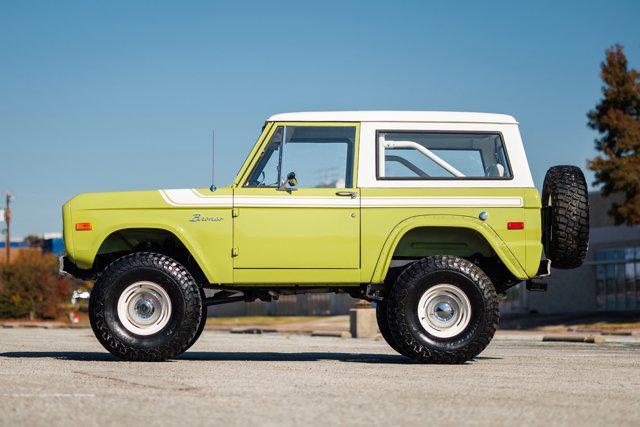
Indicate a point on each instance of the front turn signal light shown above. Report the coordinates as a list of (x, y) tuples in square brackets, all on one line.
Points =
[(83, 226)]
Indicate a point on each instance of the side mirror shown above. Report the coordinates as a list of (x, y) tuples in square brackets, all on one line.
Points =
[(291, 179), (290, 184)]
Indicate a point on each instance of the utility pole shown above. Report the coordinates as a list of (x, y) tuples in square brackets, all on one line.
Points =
[(7, 218)]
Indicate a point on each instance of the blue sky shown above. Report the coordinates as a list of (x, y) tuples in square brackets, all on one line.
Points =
[(99, 96)]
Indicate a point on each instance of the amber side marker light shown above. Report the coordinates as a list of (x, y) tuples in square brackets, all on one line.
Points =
[(83, 226), (515, 225)]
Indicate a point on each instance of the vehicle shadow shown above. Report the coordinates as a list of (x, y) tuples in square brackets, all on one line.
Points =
[(76, 356), (223, 356)]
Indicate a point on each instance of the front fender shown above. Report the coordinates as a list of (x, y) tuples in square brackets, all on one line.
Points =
[(497, 244), (85, 257), (208, 242)]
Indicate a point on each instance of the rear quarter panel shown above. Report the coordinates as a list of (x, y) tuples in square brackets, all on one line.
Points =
[(441, 208)]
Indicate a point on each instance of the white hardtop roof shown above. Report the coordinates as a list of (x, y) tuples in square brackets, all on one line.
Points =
[(393, 116)]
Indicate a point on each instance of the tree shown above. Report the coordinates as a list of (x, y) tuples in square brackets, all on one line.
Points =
[(615, 118), (34, 241)]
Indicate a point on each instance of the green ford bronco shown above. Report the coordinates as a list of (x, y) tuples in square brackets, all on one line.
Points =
[(431, 215)]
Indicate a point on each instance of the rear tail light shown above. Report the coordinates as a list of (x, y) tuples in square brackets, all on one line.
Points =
[(515, 225)]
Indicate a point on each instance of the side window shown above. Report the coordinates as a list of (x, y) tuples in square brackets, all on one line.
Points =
[(319, 156), (441, 155)]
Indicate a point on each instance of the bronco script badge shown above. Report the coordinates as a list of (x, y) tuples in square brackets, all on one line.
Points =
[(197, 218)]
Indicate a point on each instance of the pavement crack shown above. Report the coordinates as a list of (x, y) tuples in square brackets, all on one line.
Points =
[(134, 383)]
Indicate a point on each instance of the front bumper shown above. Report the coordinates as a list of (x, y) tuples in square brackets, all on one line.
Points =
[(68, 268)]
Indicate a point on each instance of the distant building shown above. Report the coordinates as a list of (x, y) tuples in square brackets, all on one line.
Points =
[(608, 281), (51, 243), (15, 243)]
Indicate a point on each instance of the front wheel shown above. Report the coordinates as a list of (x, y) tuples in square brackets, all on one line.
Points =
[(442, 309), (145, 307), (203, 320)]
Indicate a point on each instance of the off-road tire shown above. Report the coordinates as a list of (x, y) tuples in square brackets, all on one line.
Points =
[(183, 323), (565, 216), (203, 321), (383, 326), (409, 334)]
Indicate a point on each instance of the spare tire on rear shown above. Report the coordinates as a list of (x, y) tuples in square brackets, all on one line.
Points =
[(565, 216)]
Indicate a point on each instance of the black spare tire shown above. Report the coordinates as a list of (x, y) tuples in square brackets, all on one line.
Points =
[(565, 216)]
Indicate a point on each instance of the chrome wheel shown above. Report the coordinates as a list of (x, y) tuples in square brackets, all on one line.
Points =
[(444, 311), (144, 308)]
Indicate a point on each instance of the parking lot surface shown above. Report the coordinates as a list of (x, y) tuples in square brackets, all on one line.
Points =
[(64, 377)]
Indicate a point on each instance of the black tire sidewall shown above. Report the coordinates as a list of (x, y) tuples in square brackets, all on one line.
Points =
[(382, 319), (466, 285), (203, 320)]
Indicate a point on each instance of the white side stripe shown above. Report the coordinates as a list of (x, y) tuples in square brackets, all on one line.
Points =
[(296, 201), (440, 202), (191, 198)]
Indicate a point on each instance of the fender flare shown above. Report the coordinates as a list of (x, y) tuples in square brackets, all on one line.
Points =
[(87, 259), (451, 221)]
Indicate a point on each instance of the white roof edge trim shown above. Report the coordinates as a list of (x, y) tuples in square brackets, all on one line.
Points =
[(394, 116)]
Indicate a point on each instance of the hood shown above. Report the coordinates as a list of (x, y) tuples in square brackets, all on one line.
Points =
[(117, 200)]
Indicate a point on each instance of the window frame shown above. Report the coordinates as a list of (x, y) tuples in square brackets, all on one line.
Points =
[(352, 169), (259, 163), (441, 178)]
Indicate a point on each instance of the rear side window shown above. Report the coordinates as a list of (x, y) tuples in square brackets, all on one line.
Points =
[(441, 155)]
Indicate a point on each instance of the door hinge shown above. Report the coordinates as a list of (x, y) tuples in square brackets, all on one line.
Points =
[(234, 252), (235, 212)]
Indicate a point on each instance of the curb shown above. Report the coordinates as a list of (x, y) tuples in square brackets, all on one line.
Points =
[(252, 331), (589, 339), (332, 334)]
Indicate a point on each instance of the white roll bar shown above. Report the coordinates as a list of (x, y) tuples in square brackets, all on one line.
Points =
[(411, 144)]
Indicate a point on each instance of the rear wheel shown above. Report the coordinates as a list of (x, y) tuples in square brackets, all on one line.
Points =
[(442, 309), (383, 326), (145, 307)]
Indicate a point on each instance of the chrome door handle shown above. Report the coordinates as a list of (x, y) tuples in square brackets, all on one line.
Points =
[(351, 194)]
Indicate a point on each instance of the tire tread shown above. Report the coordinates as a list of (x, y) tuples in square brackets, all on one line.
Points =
[(569, 225)]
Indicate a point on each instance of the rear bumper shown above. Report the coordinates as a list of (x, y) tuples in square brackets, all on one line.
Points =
[(544, 269)]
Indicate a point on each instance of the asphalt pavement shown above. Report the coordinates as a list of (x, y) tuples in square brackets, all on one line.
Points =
[(64, 377)]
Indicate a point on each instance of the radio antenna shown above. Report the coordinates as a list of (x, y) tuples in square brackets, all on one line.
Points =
[(213, 161)]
